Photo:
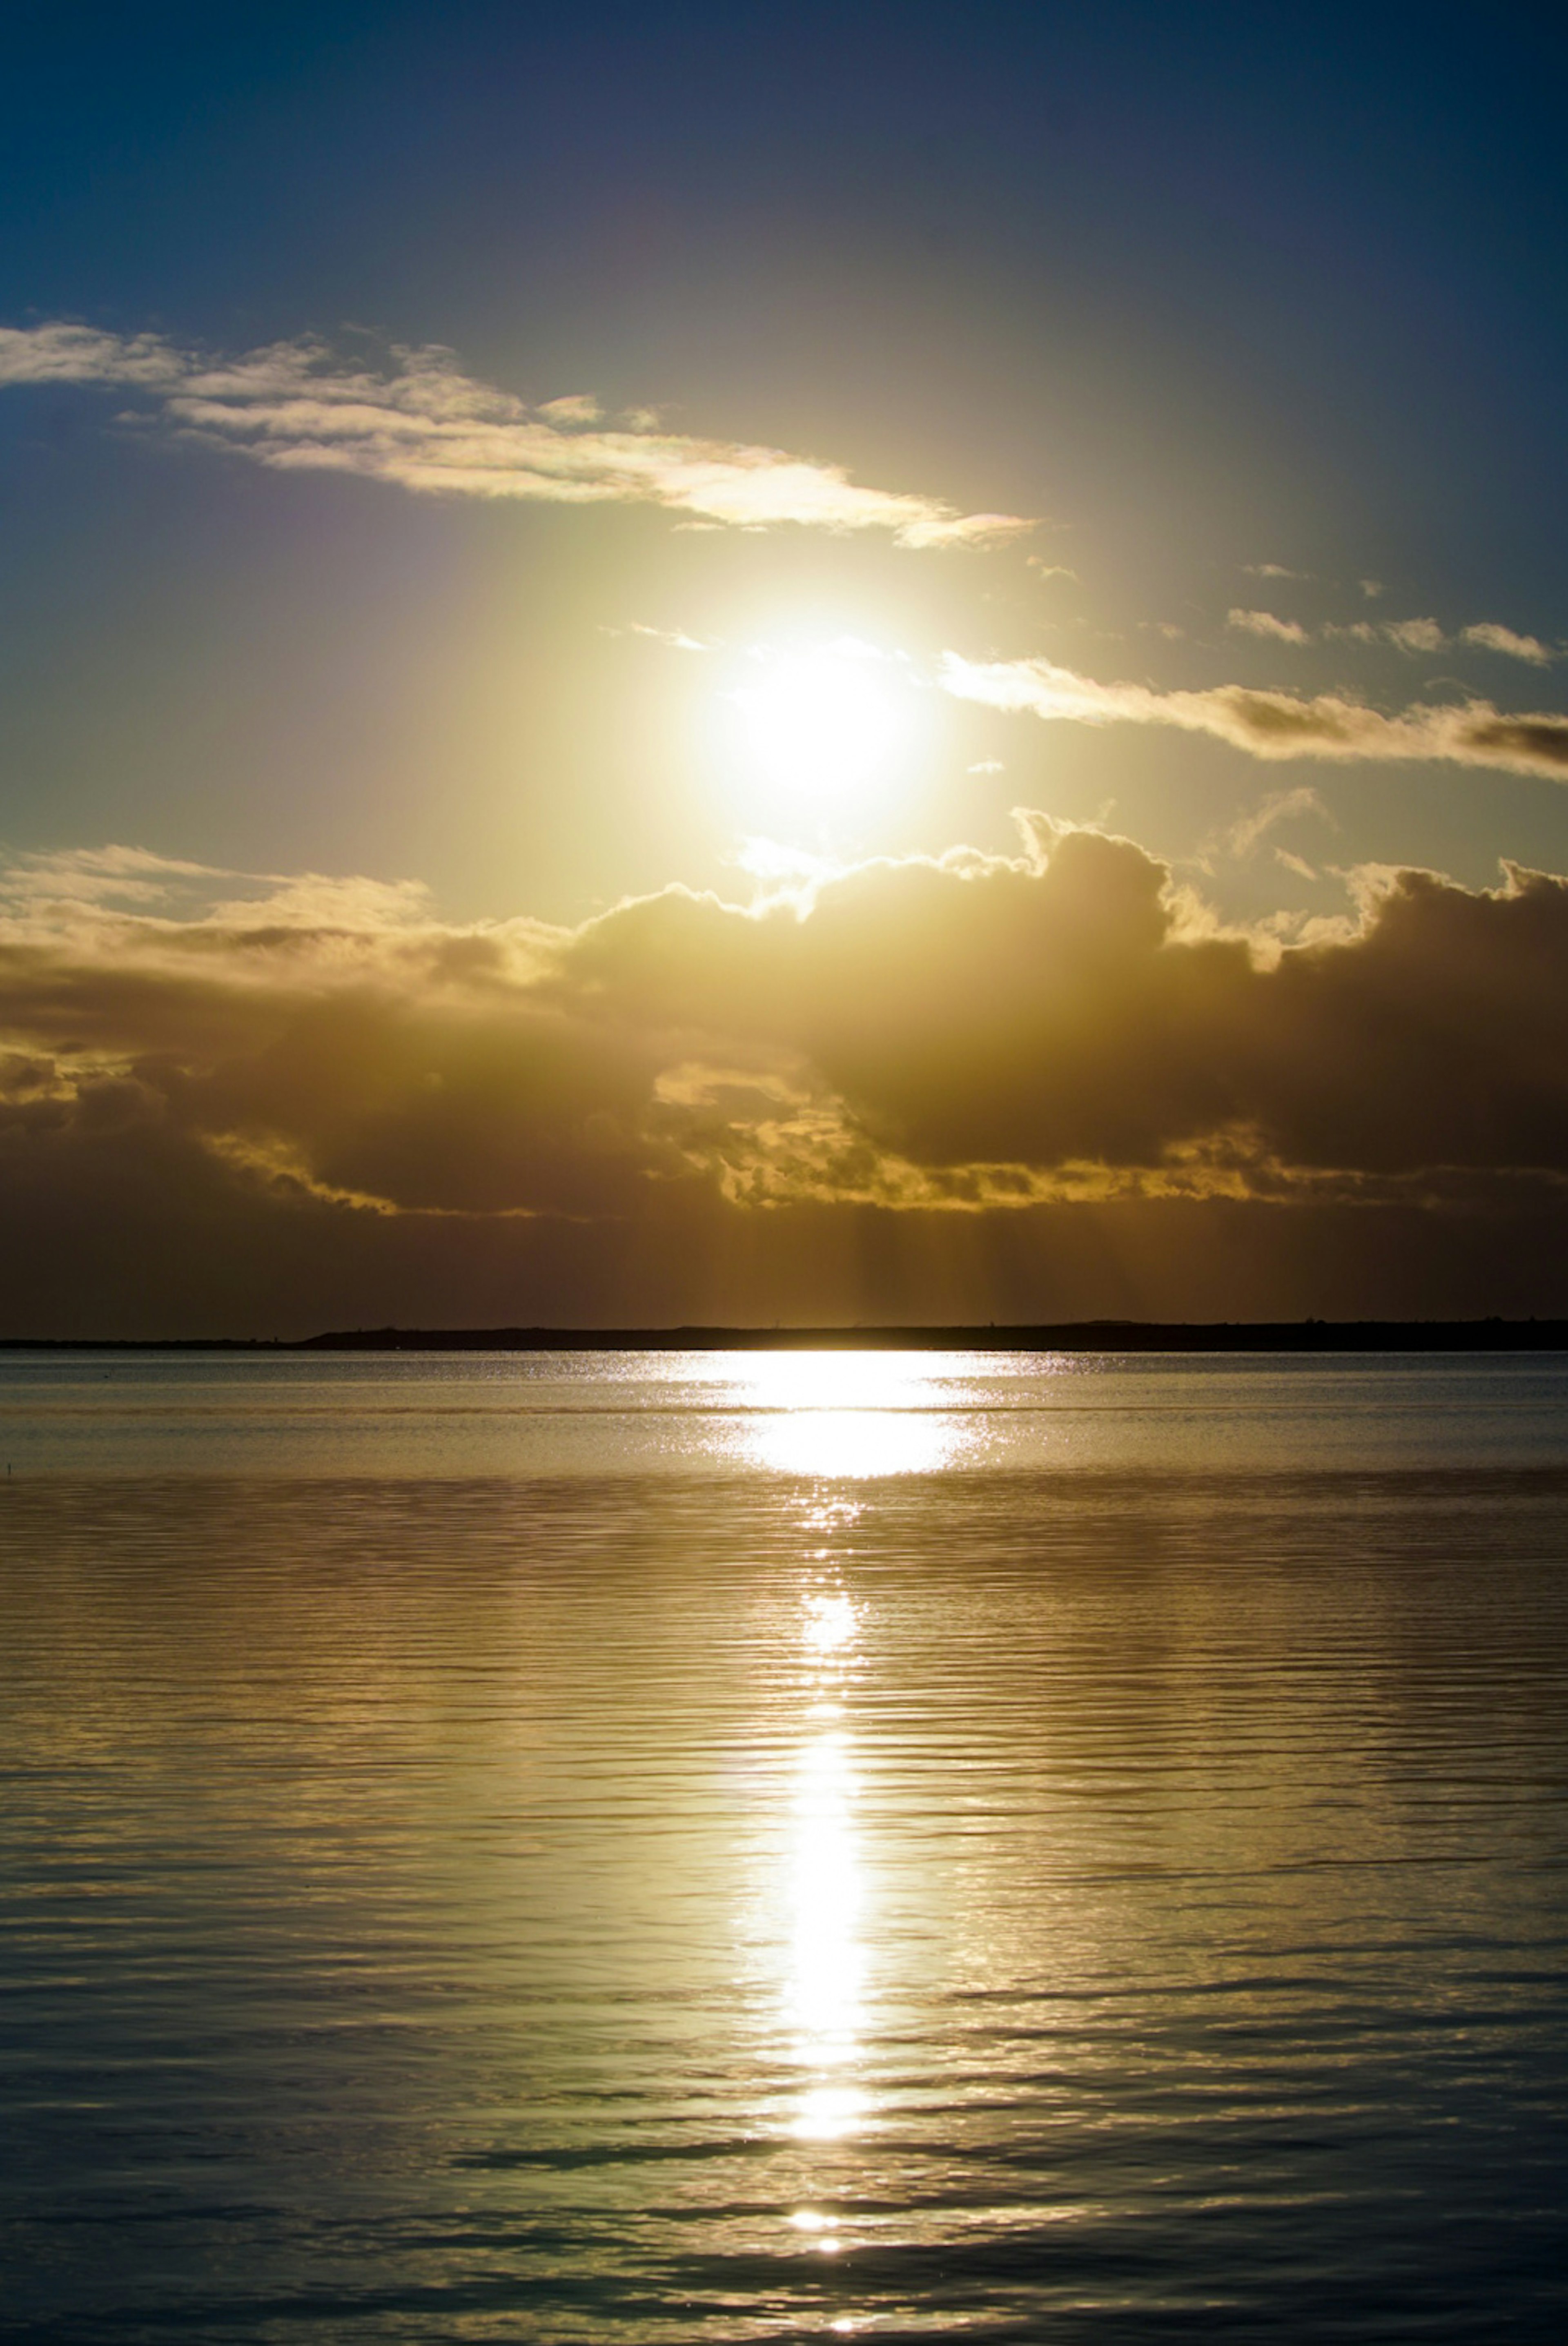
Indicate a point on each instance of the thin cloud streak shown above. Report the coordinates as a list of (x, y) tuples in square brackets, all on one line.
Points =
[(1280, 806), (425, 427), (1491, 638), (1263, 623), (1419, 637), (1274, 724)]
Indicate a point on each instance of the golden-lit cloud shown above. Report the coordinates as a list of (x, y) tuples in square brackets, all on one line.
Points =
[(1273, 724), (970, 1029), (1415, 634), (425, 425), (1263, 623), (251, 1072), (1417, 638), (63, 352), (1491, 638), (1279, 806)]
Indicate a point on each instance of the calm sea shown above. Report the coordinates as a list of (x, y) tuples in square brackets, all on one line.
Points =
[(707, 1847)]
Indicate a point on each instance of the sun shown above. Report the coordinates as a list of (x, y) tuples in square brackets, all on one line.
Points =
[(826, 727)]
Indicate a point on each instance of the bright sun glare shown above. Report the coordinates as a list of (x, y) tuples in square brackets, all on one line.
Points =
[(824, 725)]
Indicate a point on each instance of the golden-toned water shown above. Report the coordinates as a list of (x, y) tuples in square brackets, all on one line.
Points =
[(685, 1847)]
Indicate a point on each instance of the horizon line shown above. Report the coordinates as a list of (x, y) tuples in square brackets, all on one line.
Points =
[(1490, 1332)]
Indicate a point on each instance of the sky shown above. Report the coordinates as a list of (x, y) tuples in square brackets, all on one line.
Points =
[(713, 664)]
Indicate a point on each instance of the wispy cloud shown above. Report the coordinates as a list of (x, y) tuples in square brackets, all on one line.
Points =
[(61, 352), (1415, 634), (1274, 724), (1419, 638), (425, 425), (1280, 806), (1263, 623), (1491, 638), (674, 639), (1424, 638)]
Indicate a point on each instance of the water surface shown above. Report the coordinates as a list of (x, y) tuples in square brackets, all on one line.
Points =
[(681, 1847)]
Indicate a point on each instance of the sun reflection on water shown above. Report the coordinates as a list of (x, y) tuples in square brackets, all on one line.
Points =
[(826, 1985), (847, 1415), (851, 1442), (828, 1967)]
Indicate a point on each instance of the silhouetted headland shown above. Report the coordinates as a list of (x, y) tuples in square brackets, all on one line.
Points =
[(1064, 1336)]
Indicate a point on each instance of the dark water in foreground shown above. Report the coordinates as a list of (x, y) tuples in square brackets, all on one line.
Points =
[(667, 1849)]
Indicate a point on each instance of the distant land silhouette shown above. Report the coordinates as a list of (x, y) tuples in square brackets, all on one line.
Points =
[(1065, 1336)]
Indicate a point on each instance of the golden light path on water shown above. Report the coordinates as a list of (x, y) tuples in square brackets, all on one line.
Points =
[(825, 1986), (836, 1419), (847, 1415), (827, 1958)]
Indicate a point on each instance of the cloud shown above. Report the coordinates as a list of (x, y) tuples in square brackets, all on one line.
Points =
[(1060, 1018), (1280, 806), (425, 427), (1059, 1007), (674, 639), (1274, 724), (1425, 637), (1415, 634), (1263, 623), (1272, 570), (81, 354), (575, 408), (205, 1080), (1493, 638)]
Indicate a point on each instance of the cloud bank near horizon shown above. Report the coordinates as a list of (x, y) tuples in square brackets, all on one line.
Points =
[(963, 1032), (425, 427), (230, 1101)]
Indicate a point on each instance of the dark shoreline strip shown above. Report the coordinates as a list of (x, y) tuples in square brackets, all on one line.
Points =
[(1067, 1336)]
